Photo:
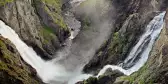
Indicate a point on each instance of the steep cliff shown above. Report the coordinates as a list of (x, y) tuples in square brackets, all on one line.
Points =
[(155, 70), (13, 70), (129, 25), (39, 28), (41, 24), (130, 19)]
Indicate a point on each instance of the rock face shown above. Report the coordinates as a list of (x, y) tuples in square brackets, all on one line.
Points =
[(40, 24), (50, 13), (155, 70), (13, 70), (130, 18), (108, 78), (35, 28)]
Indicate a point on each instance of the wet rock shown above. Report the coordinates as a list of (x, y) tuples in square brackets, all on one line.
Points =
[(35, 26), (155, 70), (50, 14), (13, 70), (107, 78)]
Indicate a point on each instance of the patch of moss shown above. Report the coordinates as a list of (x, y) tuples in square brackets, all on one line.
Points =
[(53, 8), (10, 63), (48, 29), (86, 22), (3, 2), (91, 80), (117, 44), (139, 77), (47, 34)]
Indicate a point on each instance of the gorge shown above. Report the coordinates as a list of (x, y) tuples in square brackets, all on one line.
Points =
[(84, 41)]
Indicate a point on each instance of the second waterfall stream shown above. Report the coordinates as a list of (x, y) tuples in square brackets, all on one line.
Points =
[(51, 72), (140, 52)]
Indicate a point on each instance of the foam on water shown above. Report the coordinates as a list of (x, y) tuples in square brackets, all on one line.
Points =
[(46, 70)]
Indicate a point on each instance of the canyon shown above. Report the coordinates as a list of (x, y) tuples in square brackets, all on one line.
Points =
[(83, 42)]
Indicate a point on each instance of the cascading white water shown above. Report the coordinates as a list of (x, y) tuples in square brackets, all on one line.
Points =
[(153, 29), (50, 71), (142, 48), (46, 70)]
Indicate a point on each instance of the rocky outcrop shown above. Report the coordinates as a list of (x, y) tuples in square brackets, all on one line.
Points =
[(32, 28), (50, 14), (130, 18), (13, 70)]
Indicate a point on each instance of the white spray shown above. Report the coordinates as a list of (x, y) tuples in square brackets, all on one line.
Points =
[(153, 29), (46, 70)]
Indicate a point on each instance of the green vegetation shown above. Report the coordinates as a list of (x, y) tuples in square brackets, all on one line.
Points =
[(53, 8), (91, 80), (3, 2), (48, 29), (86, 23), (11, 63), (139, 77), (48, 34), (117, 44)]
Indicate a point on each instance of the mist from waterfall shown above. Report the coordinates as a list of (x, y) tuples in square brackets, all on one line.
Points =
[(45, 70), (140, 52), (67, 67)]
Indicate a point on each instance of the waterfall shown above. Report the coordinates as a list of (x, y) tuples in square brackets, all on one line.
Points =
[(46, 70), (49, 71), (52, 72), (140, 52)]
